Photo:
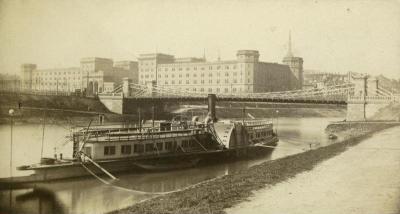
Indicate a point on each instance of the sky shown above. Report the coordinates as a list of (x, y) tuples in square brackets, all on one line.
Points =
[(331, 36)]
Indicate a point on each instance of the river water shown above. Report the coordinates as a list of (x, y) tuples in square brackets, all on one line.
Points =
[(88, 195)]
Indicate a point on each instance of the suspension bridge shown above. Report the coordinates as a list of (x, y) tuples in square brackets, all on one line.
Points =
[(363, 96)]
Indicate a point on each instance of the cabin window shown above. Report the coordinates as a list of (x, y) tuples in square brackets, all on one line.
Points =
[(192, 143), (138, 148), (159, 146), (149, 147), (168, 146), (109, 150), (185, 143), (126, 149)]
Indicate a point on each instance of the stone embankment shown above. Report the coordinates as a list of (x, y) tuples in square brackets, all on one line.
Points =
[(221, 193)]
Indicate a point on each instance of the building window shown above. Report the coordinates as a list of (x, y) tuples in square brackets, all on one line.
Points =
[(210, 68), (202, 81), (195, 68), (227, 67), (109, 150), (187, 68), (218, 67), (194, 81), (209, 89), (210, 81), (126, 149)]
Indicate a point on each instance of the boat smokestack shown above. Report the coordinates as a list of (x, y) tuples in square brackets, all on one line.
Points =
[(212, 99)]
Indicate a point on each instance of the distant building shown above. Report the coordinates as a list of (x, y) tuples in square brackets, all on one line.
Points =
[(93, 75), (244, 74), (295, 63), (318, 79), (9, 82)]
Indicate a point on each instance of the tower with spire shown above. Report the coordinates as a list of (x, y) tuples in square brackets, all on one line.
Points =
[(295, 63)]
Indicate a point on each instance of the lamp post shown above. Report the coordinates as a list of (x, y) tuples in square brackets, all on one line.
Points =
[(11, 113), (277, 121)]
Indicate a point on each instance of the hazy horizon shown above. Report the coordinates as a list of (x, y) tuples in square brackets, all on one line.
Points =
[(331, 36)]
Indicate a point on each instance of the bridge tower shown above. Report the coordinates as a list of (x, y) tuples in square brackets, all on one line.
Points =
[(126, 90), (26, 74), (365, 101)]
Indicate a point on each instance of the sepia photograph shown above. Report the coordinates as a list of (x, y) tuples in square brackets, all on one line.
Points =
[(199, 107)]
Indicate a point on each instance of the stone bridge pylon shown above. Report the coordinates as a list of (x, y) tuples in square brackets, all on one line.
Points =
[(367, 98)]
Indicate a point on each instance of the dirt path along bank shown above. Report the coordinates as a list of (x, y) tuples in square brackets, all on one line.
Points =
[(364, 179)]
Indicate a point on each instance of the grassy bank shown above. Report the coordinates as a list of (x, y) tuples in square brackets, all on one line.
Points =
[(216, 195)]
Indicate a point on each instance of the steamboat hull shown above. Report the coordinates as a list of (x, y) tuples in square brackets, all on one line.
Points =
[(69, 170)]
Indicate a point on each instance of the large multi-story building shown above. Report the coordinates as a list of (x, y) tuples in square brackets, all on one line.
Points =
[(95, 75), (244, 74)]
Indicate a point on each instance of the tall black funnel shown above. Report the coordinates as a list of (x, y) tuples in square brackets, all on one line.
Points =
[(212, 99)]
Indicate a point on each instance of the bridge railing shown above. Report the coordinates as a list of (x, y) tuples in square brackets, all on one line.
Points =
[(339, 92)]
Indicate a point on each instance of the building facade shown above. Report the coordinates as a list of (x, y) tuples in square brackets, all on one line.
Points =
[(245, 74), (95, 75)]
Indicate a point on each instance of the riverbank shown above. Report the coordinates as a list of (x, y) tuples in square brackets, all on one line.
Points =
[(217, 195), (364, 179)]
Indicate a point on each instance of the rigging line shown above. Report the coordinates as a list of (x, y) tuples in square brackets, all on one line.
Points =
[(94, 175), (279, 147), (290, 141)]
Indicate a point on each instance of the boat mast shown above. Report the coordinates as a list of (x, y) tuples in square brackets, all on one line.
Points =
[(152, 117), (140, 120), (43, 127)]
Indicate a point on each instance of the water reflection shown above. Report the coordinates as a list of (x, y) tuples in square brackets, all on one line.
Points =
[(90, 196), (33, 201)]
